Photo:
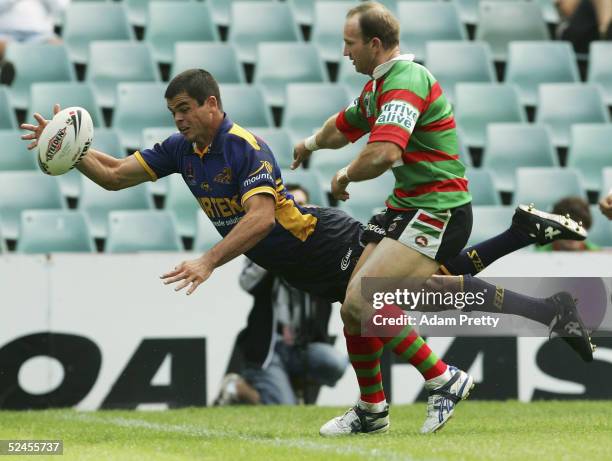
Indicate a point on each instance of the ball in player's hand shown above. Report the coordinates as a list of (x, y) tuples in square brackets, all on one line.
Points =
[(65, 141)]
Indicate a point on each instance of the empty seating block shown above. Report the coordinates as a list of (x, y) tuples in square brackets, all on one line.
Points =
[(590, 151), (279, 142), (482, 187), (245, 105), (51, 231), (219, 59), (14, 155), (183, 206), (545, 186), (142, 230), (328, 26), (368, 197), (308, 180), (489, 221), (7, 115), (206, 234), (600, 68)]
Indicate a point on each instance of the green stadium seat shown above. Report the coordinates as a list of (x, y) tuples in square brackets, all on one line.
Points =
[(44, 95), (245, 105), (27, 59), (326, 162), (97, 202), (563, 104), (309, 105), (533, 63), (545, 186), (172, 22), (308, 180), (87, 22), (513, 145), (141, 230), (464, 155), (25, 190), (181, 203), (489, 221), (53, 231), (473, 109), (454, 62), (600, 68), (424, 21), (549, 11), (499, 23), (138, 11), (352, 81), (279, 64), (139, 105), (327, 28), (482, 187), (206, 234), (14, 155), (590, 151), (8, 121), (600, 232), (606, 179), (304, 10), (112, 62), (468, 10), (279, 141), (256, 22), (219, 59), (368, 197)]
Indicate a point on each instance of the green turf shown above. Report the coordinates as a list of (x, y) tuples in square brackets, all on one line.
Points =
[(479, 430)]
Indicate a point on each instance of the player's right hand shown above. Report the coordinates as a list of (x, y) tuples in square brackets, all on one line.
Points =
[(36, 130), (300, 155), (605, 205)]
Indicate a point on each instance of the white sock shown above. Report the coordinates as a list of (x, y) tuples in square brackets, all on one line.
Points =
[(372, 407), (438, 381)]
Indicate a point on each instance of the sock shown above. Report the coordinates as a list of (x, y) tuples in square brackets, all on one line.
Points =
[(364, 354), (500, 300), (474, 259), (407, 344)]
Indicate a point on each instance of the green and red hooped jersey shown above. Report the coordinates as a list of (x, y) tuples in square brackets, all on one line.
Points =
[(406, 106)]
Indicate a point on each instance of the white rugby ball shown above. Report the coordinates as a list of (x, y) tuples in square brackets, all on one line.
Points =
[(65, 141)]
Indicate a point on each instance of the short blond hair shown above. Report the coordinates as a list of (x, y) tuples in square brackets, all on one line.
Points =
[(376, 21)]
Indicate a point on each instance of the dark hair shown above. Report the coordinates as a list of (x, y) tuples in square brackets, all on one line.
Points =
[(375, 20), (294, 186), (197, 83), (577, 208)]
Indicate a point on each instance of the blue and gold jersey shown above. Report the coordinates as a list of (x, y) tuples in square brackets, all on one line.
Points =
[(236, 166)]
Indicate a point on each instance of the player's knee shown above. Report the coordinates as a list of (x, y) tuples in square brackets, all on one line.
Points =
[(351, 307)]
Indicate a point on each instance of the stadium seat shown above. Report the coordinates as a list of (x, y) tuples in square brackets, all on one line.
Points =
[(590, 151), (8, 121), (468, 10), (172, 22), (454, 62), (308, 180), (279, 141), (482, 187), (606, 179), (141, 230), (600, 232), (221, 10), (326, 162), (304, 10), (352, 81), (25, 190), (368, 197), (138, 11), (274, 23), (139, 105), (44, 95), (499, 23), (219, 59), (533, 63), (464, 155), (207, 235), (545, 186), (489, 221), (52, 231), (27, 59), (245, 105), (327, 28), (513, 145), (112, 62), (474, 110), (600, 68), (183, 206), (155, 135), (424, 21), (563, 104), (96, 203), (86, 22), (107, 140), (279, 64), (309, 105), (14, 155), (549, 11)]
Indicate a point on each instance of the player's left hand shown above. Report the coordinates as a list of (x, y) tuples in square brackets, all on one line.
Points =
[(338, 189), (194, 273)]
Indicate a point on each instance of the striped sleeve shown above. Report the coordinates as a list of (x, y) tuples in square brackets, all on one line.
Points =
[(351, 122)]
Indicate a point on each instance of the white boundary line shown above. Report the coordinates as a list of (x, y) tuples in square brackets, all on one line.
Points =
[(201, 431)]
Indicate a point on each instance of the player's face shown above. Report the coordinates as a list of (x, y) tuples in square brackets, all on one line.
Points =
[(193, 120), (361, 53)]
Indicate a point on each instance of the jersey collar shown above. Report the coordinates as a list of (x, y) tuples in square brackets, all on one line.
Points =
[(385, 67), (212, 148)]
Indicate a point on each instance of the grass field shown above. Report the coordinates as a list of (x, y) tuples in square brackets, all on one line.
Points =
[(479, 431)]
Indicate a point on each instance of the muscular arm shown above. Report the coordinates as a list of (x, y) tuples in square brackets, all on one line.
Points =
[(603, 12), (374, 160), (112, 173), (329, 137)]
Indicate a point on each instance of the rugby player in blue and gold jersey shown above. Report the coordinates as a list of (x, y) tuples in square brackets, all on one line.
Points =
[(236, 180)]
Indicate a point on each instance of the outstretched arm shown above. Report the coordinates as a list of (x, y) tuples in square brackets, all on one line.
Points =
[(327, 137)]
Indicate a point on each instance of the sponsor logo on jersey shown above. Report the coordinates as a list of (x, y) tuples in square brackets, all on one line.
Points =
[(220, 207), (400, 113), (55, 144), (264, 164), (259, 177), (421, 240), (346, 260), (376, 229), (225, 177), (205, 187), (392, 226)]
